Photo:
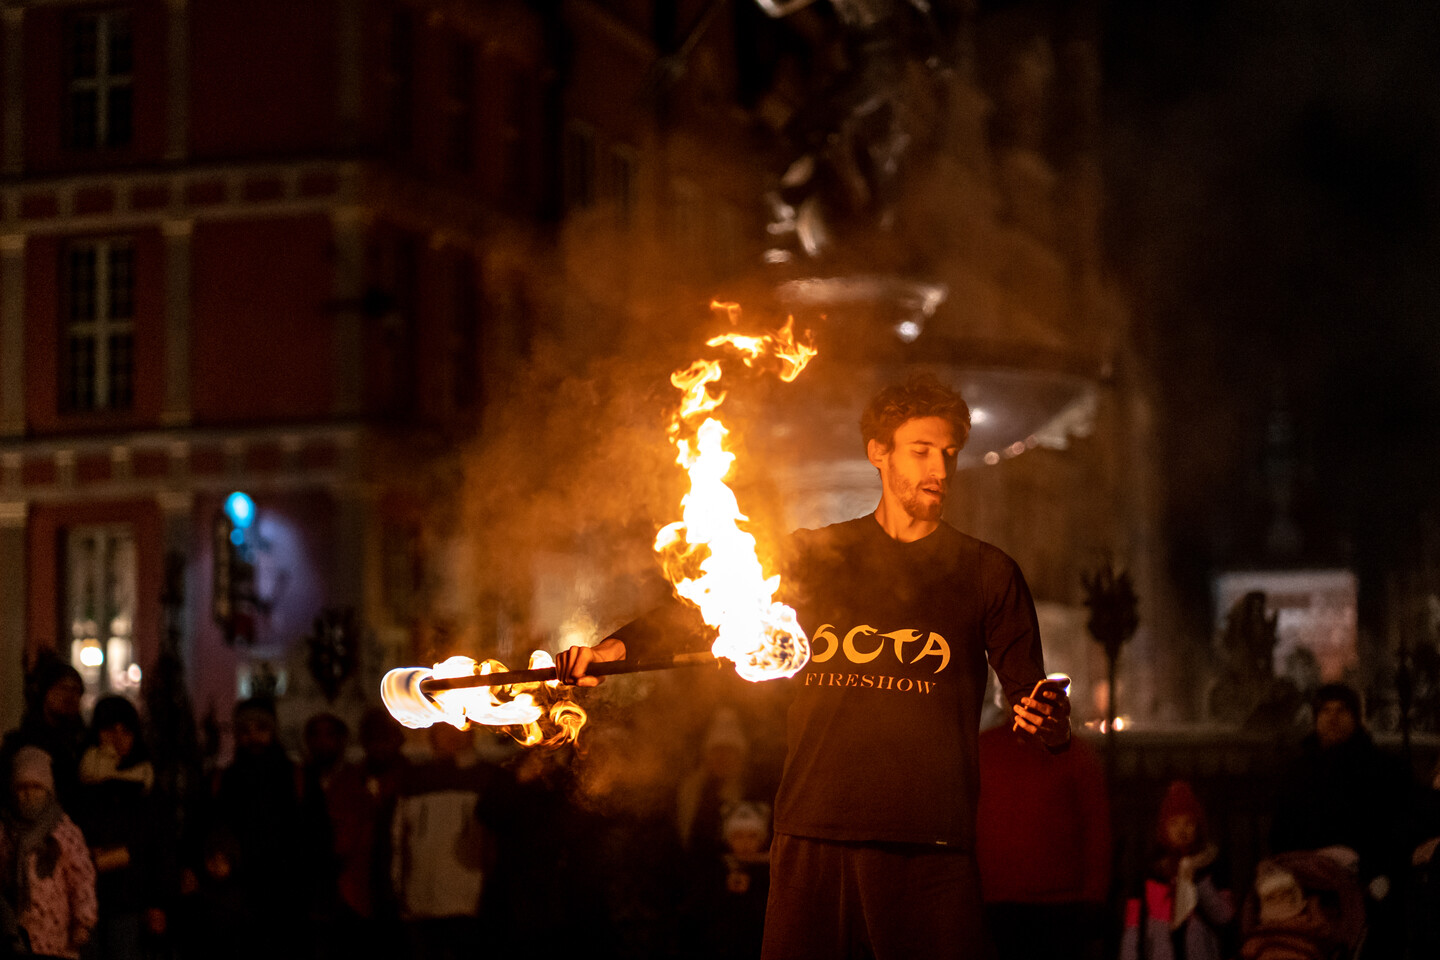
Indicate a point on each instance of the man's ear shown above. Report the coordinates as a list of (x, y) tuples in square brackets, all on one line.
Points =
[(875, 452)]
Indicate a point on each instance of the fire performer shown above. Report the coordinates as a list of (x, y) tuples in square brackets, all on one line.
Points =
[(874, 843)]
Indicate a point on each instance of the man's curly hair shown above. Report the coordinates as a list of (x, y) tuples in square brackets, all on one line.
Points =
[(923, 395)]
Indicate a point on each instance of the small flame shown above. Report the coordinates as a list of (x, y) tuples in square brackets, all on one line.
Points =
[(539, 712), (706, 555)]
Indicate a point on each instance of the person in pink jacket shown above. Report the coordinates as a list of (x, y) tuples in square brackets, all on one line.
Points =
[(1181, 910), (46, 875)]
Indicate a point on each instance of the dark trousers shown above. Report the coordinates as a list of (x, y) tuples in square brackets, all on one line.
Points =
[(1055, 931), (872, 901)]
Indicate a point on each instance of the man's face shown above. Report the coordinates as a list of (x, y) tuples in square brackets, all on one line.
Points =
[(916, 469), (1334, 723)]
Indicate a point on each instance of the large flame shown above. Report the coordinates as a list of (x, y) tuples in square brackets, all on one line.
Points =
[(706, 555), (533, 713)]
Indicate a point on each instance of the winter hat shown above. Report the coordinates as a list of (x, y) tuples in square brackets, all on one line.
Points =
[(1280, 895), (31, 767), (746, 816), (1342, 693)]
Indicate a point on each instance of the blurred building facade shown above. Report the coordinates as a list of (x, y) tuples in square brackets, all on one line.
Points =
[(301, 251), (262, 247)]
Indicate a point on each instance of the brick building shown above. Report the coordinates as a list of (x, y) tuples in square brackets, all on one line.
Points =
[(247, 247), (303, 250)]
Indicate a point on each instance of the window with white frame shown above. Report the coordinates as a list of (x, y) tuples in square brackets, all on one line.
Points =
[(100, 62), (97, 354), (100, 581)]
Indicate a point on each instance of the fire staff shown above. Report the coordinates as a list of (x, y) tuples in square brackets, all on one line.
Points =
[(875, 818)]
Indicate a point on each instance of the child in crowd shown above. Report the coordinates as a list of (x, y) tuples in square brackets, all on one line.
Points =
[(1305, 905), (1179, 912), (46, 875)]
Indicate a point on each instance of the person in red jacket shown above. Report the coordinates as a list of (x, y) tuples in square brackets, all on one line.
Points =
[(1042, 807)]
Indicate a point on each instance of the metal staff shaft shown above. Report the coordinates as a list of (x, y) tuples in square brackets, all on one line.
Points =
[(602, 668)]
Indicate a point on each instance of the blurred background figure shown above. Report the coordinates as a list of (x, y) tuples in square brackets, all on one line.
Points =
[(1304, 905), (117, 813), (1036, 807), (440, 849), (721, 777), (52, 722), (737, 914), (324, 741), (360, 800), (255, 802), (214, 919), (1424, 909), (47, 880), (719, 808), (1179, 910), (1342, 790)]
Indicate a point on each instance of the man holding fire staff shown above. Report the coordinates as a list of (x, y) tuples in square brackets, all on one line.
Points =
[(874, 849)]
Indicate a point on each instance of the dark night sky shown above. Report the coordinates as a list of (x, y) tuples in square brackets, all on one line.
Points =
[(1274, 183)]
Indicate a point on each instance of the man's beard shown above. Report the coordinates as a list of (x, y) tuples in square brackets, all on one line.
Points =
[(925, 510)]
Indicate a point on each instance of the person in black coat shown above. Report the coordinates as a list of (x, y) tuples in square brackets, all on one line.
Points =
[(51, 722), (1345, 791), (256, 801), (117, 814)]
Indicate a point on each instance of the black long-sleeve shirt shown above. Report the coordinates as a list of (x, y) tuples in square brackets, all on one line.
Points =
[(882, 733)]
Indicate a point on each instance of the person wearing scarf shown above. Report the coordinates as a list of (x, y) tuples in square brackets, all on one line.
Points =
[(1181, 911), (46, 875), (120, 819)]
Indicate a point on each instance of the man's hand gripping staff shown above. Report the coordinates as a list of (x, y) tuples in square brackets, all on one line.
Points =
[(572, 664)]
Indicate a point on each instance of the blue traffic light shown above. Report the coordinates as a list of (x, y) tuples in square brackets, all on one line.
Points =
[(240, 509)]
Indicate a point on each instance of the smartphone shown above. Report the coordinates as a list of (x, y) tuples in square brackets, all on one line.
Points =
[(1058, 682)]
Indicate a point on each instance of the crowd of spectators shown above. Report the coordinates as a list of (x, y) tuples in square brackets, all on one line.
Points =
[(443, 844)]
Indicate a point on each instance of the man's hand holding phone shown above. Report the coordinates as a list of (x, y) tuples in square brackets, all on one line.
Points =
[(1046, 711)]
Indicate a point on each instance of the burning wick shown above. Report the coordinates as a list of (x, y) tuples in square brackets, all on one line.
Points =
[(533, 712), (420, 698)]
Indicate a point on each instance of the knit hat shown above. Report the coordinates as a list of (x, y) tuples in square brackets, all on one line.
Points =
[(746, 816), (31, 767), (1280, 894), (1179, 801)]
